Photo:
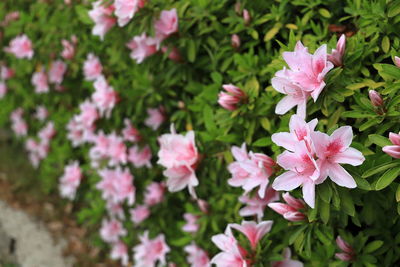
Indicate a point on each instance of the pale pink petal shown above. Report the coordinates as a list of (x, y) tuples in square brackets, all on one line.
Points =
[(350, 156), (309, 193), (287, 181), (340, 176)]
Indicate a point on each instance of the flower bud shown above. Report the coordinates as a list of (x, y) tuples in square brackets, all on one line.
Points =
[(397, 61), (394, 138), (235, 41), (231, 98), (246, 16), (238, 8), (376, 98)]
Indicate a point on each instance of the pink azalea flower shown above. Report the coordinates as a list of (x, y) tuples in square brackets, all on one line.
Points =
[(246, 16), (156, 117), (154, 194), (232, 254), (77, 134), (41, 113), (102, 17), (178, 153), (299, 130), (394, 150), (191, 225), (3, 89), (289, 211), (167, 24), (348, 253), (70, 180), (232, 97), (88, 115), (117, 185), (119, 251), (287, 262), (253, 231), (250, 170), (100, 149), (68, 52), (57, 71), (140, 158), (335, 150), (376, 98), (115, 210), (104, 97), (47, 132), (235, 41), (92, 68), (336, 56), (397, 61), (142, 47), (126, 9), (112, 230), (139, 214), (21, 47), (18, 124), (130, 133), (39, 80), (255, 205), (302, 169), (197, 257), (12, 16), (149, 251), (6, 73), (117, 151)]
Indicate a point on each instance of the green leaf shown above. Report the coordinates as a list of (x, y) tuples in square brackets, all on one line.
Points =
[(387, 178), (346, 202), (191, 52), (296, 234), (325, 192), (379, 168), (394, 9), (208, 116), (374, 245), (398, 193), (83, 15), (324, 12), (385, 44), (262, 142), (324, 211), (379, 140), (357, 114)]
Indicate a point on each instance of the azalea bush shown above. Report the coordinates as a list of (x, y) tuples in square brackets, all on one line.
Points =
[(200, 132)]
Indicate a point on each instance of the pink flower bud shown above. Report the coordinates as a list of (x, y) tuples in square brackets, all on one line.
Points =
[(393, 151), (238, 8), (394, 138), (397, 61), (293, 202), (336, 56), (344, 256), (235, 41), (232, 98), (173, 54), (203, 205), (376, 98), (281, 208), (246, 16), (294, 216), (343, 245)]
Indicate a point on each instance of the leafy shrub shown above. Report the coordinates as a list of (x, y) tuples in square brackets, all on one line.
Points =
[(217, 43)]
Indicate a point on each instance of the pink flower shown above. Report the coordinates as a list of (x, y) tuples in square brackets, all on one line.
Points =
[(18, 124), (39, 80), (100, 149), (250, 170), (115, 210), (335, 150), (149, 251), (68, 52), (397, 61), (70, 180), (302, 169), (167, 24), (12, 16), (3, 89), (104, 97), (41, 113), (102, 17), (6, 73), (117, 151), (232, 255), (376, 98), (47, 132), (117, 185), (348, 253), (140, 158), (246, 16), (154, 194), (119, 251), (88, 115), (336, 56), (156, 117), (21, 47), (290, 211), (299, 131), (203, 205), (92, 67), (130, 133), (126, 9), (77, 133), (287, 262), (139, 214), (197, 257), (394, 150), (57, 71), (142, 47), (255, 205), (191, 225), (173, 53), (253, 231), (179, 155), (235, 41), (112, 230), (232, 98)]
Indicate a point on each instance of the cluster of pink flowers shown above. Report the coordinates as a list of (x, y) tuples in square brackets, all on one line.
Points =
[(104, 97), (40, 80), (41, 113), (39, 150), (70, 180), (126, 9), (143, 46), (21, 47), (311, 156), (178, 153), (5, 74), (101, 14), (149, 251), (18, 124)]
